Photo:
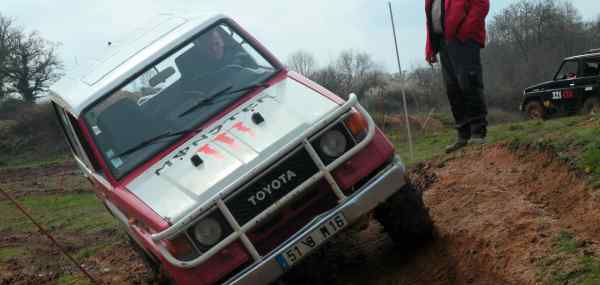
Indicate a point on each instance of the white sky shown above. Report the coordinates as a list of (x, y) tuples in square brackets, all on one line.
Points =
[(321, 27)]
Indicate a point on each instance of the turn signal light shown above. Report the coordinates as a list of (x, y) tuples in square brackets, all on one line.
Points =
[(357, 124), (182, 248)]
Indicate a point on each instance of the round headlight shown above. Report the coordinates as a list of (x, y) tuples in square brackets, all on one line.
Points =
[(208, 231), (333, 143)]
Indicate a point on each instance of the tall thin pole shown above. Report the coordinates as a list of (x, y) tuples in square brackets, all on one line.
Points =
[(410, 142)]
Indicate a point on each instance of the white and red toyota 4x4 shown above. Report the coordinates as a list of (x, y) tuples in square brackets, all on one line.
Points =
[(223, 166)]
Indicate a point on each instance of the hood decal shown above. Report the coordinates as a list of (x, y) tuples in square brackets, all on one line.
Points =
[(214, 131), (229, 149)]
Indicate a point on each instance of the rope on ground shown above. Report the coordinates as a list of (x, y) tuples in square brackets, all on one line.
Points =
[(50, 237)]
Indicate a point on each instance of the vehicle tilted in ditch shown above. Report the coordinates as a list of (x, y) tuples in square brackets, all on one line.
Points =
[(223, 166)]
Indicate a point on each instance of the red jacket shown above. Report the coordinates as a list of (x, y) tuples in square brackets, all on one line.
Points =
[(463, 19)]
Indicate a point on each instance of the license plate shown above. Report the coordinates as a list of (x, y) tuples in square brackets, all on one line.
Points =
[(296, 252)]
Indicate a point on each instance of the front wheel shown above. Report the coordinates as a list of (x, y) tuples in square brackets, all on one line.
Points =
[(405, 218), (591, 106), (535, 110)]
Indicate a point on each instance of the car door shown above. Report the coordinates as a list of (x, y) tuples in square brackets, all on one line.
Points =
[(564, 89), (587, 84)]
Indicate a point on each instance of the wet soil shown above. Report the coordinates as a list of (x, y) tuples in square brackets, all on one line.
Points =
[(497, 214)]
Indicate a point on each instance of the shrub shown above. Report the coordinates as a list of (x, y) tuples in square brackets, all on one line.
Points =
[(30, 128)]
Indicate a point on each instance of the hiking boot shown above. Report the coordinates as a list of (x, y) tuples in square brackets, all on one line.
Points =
[(477, 141), (460, 143)]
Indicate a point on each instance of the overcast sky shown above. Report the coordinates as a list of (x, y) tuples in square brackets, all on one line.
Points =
[(321, 27)]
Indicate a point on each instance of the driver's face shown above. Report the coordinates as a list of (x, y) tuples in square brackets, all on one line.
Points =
[(215, 45)]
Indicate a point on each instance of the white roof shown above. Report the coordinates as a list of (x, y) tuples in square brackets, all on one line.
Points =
[(79, 89)]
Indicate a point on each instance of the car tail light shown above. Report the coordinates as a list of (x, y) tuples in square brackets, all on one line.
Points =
[(357, 125), (182, 248)]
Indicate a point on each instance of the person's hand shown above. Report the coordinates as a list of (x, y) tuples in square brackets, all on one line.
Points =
[(431, 59)]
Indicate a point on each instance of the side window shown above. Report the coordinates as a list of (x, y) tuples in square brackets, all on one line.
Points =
[(84, 144), (75, 139), (568, 70), (66, 125), (591, 68), (61, 121)]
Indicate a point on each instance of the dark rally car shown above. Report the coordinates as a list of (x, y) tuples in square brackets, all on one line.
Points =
[(575, 88)]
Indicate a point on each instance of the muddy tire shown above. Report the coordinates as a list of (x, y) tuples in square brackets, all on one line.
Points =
[(591, 106), (535, 110), (405, 218)]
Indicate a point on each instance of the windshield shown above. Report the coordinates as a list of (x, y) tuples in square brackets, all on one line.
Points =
[(568, 70), (180, 92)]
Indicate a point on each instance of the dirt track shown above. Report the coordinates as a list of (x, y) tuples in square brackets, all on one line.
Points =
[(499, 214)]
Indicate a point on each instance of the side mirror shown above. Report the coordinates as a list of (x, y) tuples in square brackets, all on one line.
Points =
[(161, 76)]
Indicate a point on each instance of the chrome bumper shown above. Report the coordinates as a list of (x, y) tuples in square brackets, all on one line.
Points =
[(363, 201)]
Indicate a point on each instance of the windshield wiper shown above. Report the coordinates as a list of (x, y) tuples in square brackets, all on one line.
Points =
[(226, 91), (209, 99), (249, 87), (205, 100), (155, 139)]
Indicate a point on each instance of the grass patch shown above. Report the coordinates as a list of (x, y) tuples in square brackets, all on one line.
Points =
[(425, 147), (569, 263), (80, 213), (93, 250), (30, 159), (69, 279), (574, 139), (8, 253), (590, 161), (566, 242)]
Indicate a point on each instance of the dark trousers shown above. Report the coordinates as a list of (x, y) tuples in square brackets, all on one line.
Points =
[(463, 75)]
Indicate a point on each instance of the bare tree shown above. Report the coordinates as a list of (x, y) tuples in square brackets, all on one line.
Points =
[(32, 66), (302, 62), (7, 34), (329, 78), (357, 73)]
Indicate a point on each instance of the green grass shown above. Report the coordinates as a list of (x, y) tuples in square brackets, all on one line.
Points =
[(576, 144), (69, 279), (566, 242), (79, 213), (7, 253), (425, 147), (93, 250), (31, 159), (569, 263)]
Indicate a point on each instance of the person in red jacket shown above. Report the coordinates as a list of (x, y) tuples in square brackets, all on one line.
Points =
[(456, 31)]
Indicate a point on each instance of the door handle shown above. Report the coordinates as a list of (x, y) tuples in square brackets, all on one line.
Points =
[(572, 84)]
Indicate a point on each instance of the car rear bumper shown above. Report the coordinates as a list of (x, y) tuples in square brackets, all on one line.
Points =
[(377, 190)]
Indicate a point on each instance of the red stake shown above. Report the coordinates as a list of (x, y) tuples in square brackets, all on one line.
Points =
[(22, 209)]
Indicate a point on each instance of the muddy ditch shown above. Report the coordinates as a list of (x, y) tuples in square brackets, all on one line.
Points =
[(503, 216)]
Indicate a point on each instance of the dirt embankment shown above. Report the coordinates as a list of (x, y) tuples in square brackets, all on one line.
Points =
[(502, 216)]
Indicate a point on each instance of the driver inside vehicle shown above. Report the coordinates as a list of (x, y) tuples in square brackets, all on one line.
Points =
[(212, 52), (212, 47)]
